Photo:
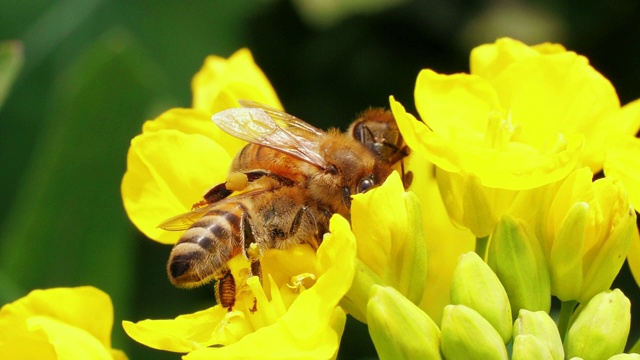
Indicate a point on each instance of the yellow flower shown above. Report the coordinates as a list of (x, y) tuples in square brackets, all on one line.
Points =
[(524, 117), (182, 154), (301, 319), (58, 323)]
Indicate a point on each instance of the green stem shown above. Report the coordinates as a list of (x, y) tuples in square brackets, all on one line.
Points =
[(566, 310), (481, 246)]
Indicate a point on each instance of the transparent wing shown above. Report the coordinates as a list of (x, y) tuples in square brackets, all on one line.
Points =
[(255, 125), (283, 119), (184, 221)]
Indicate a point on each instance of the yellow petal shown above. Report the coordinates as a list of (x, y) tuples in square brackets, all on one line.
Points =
[(634, 257), (167, 172), (518, 167), (612, 133), (28, 344), (377, 232), (489, 60), (70, 322), (190, 332), (70, 342), (193, 121), (86, 308), (576, 100), (456, 106), (390, 239), (623, 163), (222, 82)]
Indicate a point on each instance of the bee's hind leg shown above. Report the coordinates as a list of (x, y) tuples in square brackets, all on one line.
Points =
[(252, 252), (225, 290)]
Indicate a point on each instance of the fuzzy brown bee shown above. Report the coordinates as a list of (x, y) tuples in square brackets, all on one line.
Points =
[(293, 178)]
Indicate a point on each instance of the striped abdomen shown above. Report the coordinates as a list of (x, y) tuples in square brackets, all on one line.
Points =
[(203, 250)]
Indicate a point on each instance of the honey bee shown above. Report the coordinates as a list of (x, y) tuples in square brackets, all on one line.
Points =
[(293, 178)]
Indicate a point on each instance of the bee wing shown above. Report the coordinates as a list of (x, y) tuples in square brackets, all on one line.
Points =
[(185, 220), (255, 125), (283, 119)]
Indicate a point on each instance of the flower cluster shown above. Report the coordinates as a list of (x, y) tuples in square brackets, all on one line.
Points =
[(502, 160), (516, 144)]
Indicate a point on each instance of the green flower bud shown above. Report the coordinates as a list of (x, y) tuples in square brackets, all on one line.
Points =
[(409, 265), (565, 263), (399, 329), (517, 259), (600, 328), (478, 215), (540, 325), (625, 357), (529, 347), (475, 285), (467, 335)]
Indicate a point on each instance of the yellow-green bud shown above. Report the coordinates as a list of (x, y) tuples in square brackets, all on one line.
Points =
[(475, 285), (398, 328), (517, 259), (540, 325), (565, 263), (600, 328), (608, 260), (478, 215), (529, 347), (409, 265), (467, 335), (625, 357)]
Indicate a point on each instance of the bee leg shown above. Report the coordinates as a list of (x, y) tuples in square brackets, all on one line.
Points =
[(257, 174), (221, 191), (252, 252), (215, 194), (225, 290), (320, 227), (297, 220)]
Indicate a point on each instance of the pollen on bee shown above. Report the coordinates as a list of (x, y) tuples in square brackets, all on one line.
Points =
[(236, 181), (253, 252)]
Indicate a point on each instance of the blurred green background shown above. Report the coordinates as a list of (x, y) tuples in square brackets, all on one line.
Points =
[(95, 70)]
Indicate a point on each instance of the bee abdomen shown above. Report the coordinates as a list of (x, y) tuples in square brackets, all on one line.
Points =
[(204, 249)]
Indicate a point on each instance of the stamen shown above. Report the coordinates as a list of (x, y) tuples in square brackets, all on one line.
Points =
[(265, 309), (297, 282), (276, 298)]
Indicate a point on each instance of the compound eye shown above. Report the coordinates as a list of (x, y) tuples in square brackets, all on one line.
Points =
[(364, 185), (346, 197)]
